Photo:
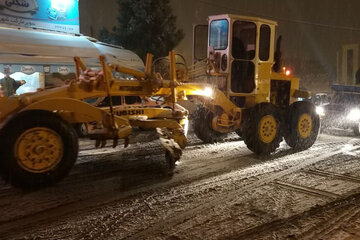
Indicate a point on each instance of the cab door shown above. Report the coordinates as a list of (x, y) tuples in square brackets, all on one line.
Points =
[(200, 42), (243, 54)]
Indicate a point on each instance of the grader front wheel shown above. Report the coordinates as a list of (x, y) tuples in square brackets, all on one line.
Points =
[(303, 125), (203, 126), (37, 149), (262, 129)]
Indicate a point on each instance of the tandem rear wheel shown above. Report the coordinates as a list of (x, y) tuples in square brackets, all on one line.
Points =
[(302, 125), (261, 132)]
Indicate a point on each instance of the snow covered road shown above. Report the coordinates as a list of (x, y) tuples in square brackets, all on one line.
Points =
[(218, 191)]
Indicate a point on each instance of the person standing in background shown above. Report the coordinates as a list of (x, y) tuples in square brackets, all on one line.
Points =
[(9, 85), (357, 77)]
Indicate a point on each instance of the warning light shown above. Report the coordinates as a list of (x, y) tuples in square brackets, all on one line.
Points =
[(286, 71)]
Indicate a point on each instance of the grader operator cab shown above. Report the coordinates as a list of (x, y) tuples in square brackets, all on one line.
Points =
[(38, 145), (265, 102)]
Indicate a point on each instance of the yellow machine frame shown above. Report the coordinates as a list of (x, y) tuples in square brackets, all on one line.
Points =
[(259, 113), (68, 101)]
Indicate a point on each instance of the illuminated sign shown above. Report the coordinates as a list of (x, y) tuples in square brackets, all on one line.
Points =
[(28, 69), (20, 5), (64, 70), (55, 15)]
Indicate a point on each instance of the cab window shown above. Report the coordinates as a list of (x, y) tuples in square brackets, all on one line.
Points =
[(200, 42), (264, 49), (244, 40), (219, 34)]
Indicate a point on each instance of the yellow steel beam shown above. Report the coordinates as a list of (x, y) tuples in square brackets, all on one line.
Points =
[(129, 71), (148, 112), (148, 66), (197, 89), (173, 79), (156, 123), (81, 111)]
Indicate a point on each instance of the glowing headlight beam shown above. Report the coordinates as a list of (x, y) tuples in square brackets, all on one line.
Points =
[(354, 115), (320, 110), (206, 92)]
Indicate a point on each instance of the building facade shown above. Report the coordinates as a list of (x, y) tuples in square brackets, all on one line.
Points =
[(348, 60)]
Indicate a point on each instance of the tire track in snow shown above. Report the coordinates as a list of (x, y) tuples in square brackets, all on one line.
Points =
[(229, 156), (205, 205)]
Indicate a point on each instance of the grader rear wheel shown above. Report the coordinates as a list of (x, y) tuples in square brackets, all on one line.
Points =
[(203, 126), (262, 129), (303, 125), (37, 149)]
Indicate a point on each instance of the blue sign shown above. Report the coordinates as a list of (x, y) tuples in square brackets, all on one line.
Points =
[(54, 15)]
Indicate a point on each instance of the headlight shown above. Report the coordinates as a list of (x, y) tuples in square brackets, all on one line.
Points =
[(206, 92), (320, 110), (354, 115)]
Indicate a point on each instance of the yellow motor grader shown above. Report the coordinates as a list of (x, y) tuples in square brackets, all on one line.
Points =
[(241, 92), (245, 66)]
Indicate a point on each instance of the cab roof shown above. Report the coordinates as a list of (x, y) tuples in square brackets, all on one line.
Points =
[(245, 18)]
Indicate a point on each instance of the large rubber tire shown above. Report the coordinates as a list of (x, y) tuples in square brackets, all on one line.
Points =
[(202, 126), (262, 129), (302, 125), (19, 137)]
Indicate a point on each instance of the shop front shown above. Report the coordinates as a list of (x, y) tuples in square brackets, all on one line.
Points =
[(39, 39), (45, 59)]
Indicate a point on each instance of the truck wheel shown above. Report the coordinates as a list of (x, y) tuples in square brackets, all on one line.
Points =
[(202, 126), (37, 149), (303, 125), (262, 133)]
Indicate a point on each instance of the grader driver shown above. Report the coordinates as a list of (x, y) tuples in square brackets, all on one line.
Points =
[(240, 52)]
